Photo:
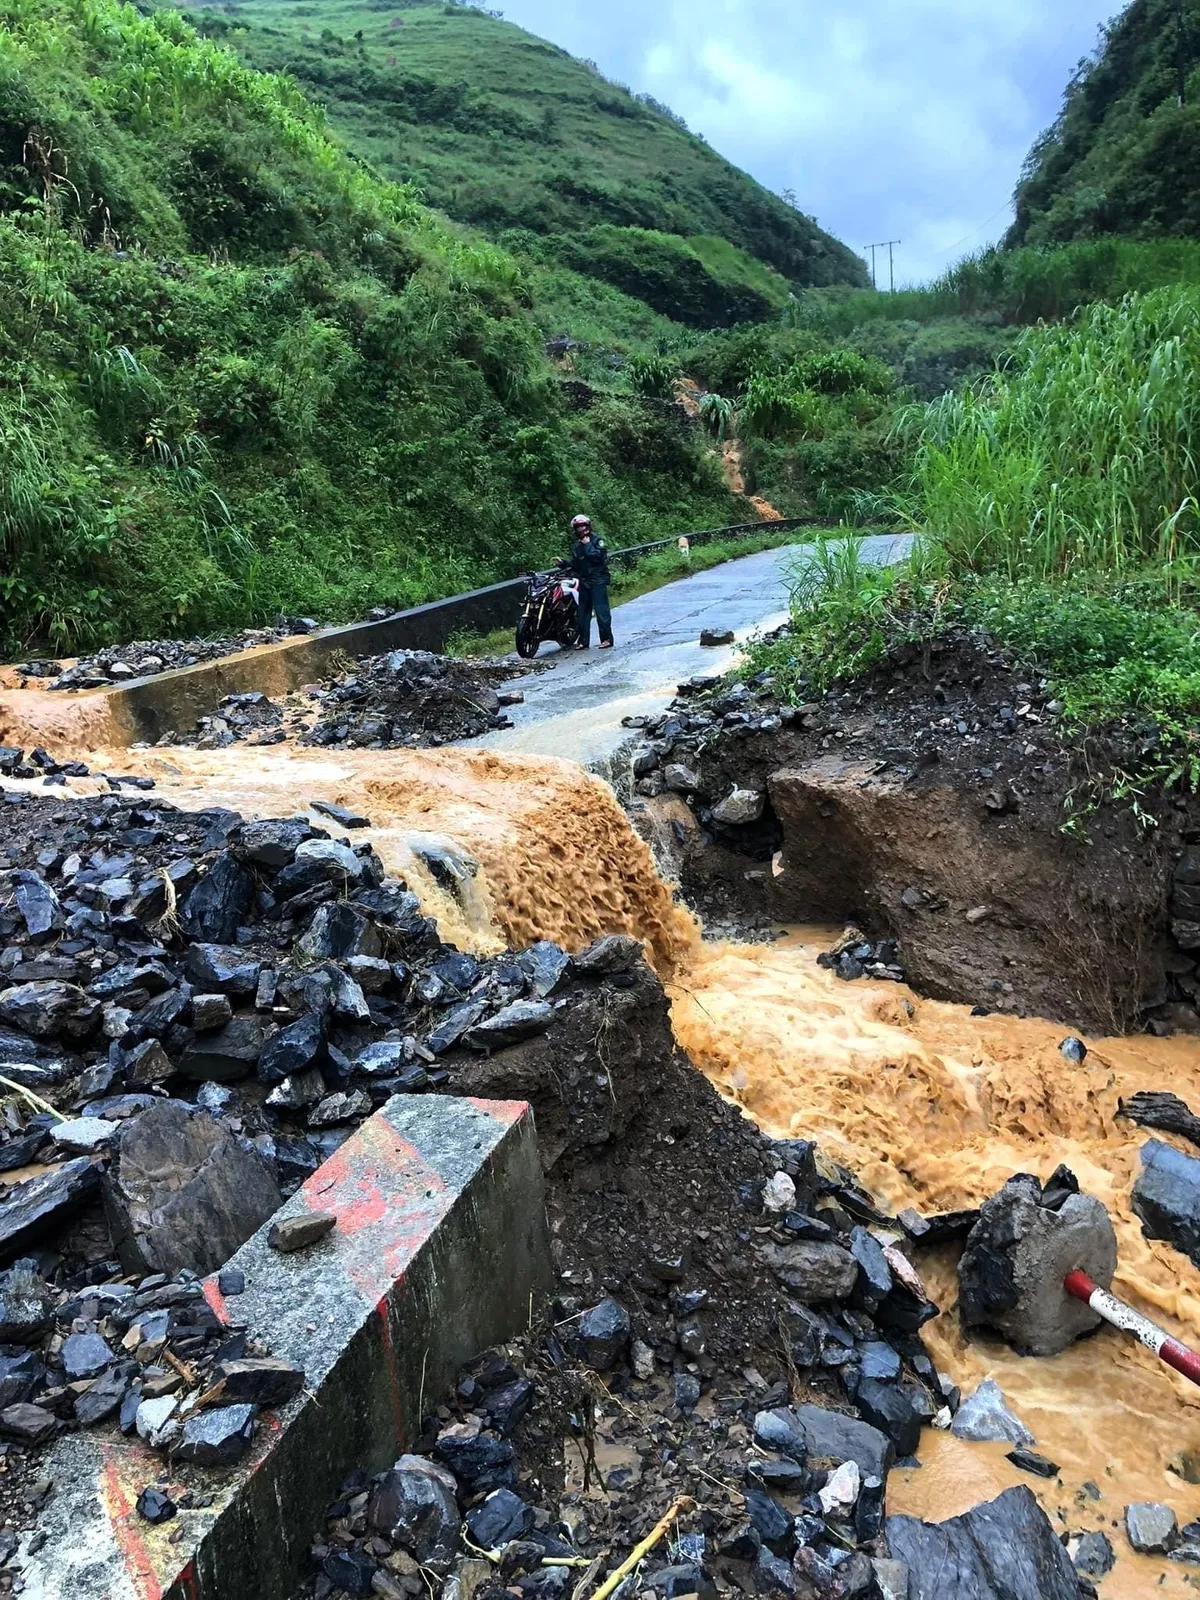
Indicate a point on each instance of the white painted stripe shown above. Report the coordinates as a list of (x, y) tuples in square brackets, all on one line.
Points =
[(1125, 1317)]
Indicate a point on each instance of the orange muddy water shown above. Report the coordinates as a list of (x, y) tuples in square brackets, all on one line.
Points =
[(928, 1105)]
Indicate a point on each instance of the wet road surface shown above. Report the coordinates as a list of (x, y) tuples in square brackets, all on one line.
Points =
[(575, 710)]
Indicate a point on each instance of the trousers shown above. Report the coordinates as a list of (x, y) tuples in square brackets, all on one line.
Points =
[(593, 598)]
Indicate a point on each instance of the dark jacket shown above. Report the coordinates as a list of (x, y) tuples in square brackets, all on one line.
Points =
[(589, 562)]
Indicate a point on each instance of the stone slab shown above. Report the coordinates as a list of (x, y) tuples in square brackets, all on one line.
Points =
[(439, 1250)]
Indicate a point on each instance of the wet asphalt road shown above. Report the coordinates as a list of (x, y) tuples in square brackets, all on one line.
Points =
[(575, 709)]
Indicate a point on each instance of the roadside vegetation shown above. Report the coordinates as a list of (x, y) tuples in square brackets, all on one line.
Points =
[(241, 375), (1054, 506)]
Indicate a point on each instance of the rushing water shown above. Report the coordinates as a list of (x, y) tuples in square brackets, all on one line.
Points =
[(929, 1105)]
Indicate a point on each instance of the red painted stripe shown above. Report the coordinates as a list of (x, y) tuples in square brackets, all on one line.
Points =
[(1181, 1358), (126, 1526), (216, 1299)]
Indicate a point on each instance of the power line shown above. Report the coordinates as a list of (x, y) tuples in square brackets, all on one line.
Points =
[(884, 244)]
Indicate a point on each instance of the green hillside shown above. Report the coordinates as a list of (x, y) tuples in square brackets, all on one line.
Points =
[(511, 134), (239, 373), (1123, 156)]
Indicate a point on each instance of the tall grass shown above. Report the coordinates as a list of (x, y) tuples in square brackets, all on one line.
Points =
[(1017, 286), (1081, 456)]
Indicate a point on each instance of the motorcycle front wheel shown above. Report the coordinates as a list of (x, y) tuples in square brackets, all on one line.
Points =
[(527, 639)]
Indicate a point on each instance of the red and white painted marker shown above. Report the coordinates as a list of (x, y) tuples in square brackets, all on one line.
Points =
[(1125, 1317)]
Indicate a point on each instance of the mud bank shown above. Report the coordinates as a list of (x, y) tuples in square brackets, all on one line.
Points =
[(940, 802)]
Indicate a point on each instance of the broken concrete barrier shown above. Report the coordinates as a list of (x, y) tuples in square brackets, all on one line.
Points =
[(439, 1251)]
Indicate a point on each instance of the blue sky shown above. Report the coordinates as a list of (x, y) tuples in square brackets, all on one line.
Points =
[(902, 119)]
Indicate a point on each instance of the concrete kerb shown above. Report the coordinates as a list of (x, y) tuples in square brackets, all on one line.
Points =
[(439, 1251), (146, 709)]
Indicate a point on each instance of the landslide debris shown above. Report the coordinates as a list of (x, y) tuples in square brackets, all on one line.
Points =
[(403, 699)]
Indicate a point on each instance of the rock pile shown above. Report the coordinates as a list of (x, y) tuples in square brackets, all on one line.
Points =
[(211, 1005), (408, 698), (39, 763), (148, 1356), (148, 657)]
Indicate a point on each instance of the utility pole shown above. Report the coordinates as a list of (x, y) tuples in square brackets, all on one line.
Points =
[(884, 244), (1180, 53)]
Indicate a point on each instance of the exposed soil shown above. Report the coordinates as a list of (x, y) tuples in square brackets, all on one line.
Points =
[(940, 802)]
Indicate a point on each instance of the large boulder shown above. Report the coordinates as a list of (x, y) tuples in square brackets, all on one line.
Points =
[(414, 1505), (1027, 1239), (1005, 1549), (42, 1203), (182, 1191)]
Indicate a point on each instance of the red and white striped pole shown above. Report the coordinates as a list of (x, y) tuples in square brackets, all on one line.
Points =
[(1125, 1317)]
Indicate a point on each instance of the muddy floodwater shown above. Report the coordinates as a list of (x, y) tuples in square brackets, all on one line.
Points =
[(928, 1105)]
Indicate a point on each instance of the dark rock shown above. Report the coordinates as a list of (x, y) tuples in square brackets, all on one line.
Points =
[(880, 1361), (210, 1011), (293, 1049), (298, 1232), (386, 1058), (184, 1192), (457, 970), (27, 1304), (104, 1397), (1091, 1553), (216, 908), (604, 1334), (218, 1437), (37, 903), (223, 968), (1030, 1461), (616, 952), (340, 814), (814, 1272), (686, 1390), (147, 1062), (155, 1506), (226, 1056), (453, 1025), (39, 1204), (868, 1513), (259, 1381), (1073, 1049), (773, 1575), (784, 1474), (716, 636), (351, 1572), (85, 1355), (875, 1276), (298, 1091), (231, 1280), (502, 1517), (522, 1020), (478, 1462), (1151, 1528), (337, 1108), (27, 1424), (1166, 1197), (996, 1551), (20, 1152), (809, 1433), (48, 1008), (770, 1521), (509, 1405), (546, 966), (338, 932), (890, 1408), (274, 842)]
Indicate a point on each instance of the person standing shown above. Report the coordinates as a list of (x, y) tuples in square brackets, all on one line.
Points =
[(589, 562)]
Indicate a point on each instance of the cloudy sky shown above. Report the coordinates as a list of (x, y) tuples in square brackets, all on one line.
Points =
[(904, 119)]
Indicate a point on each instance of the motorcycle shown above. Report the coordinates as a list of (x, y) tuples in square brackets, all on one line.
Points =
[(550, 612)]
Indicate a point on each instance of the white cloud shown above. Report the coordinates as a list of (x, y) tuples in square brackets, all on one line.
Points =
[(889, 118)]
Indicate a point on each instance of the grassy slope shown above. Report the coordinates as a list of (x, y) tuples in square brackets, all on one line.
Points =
[(239, 374), (506, 131), (1123, 156)]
